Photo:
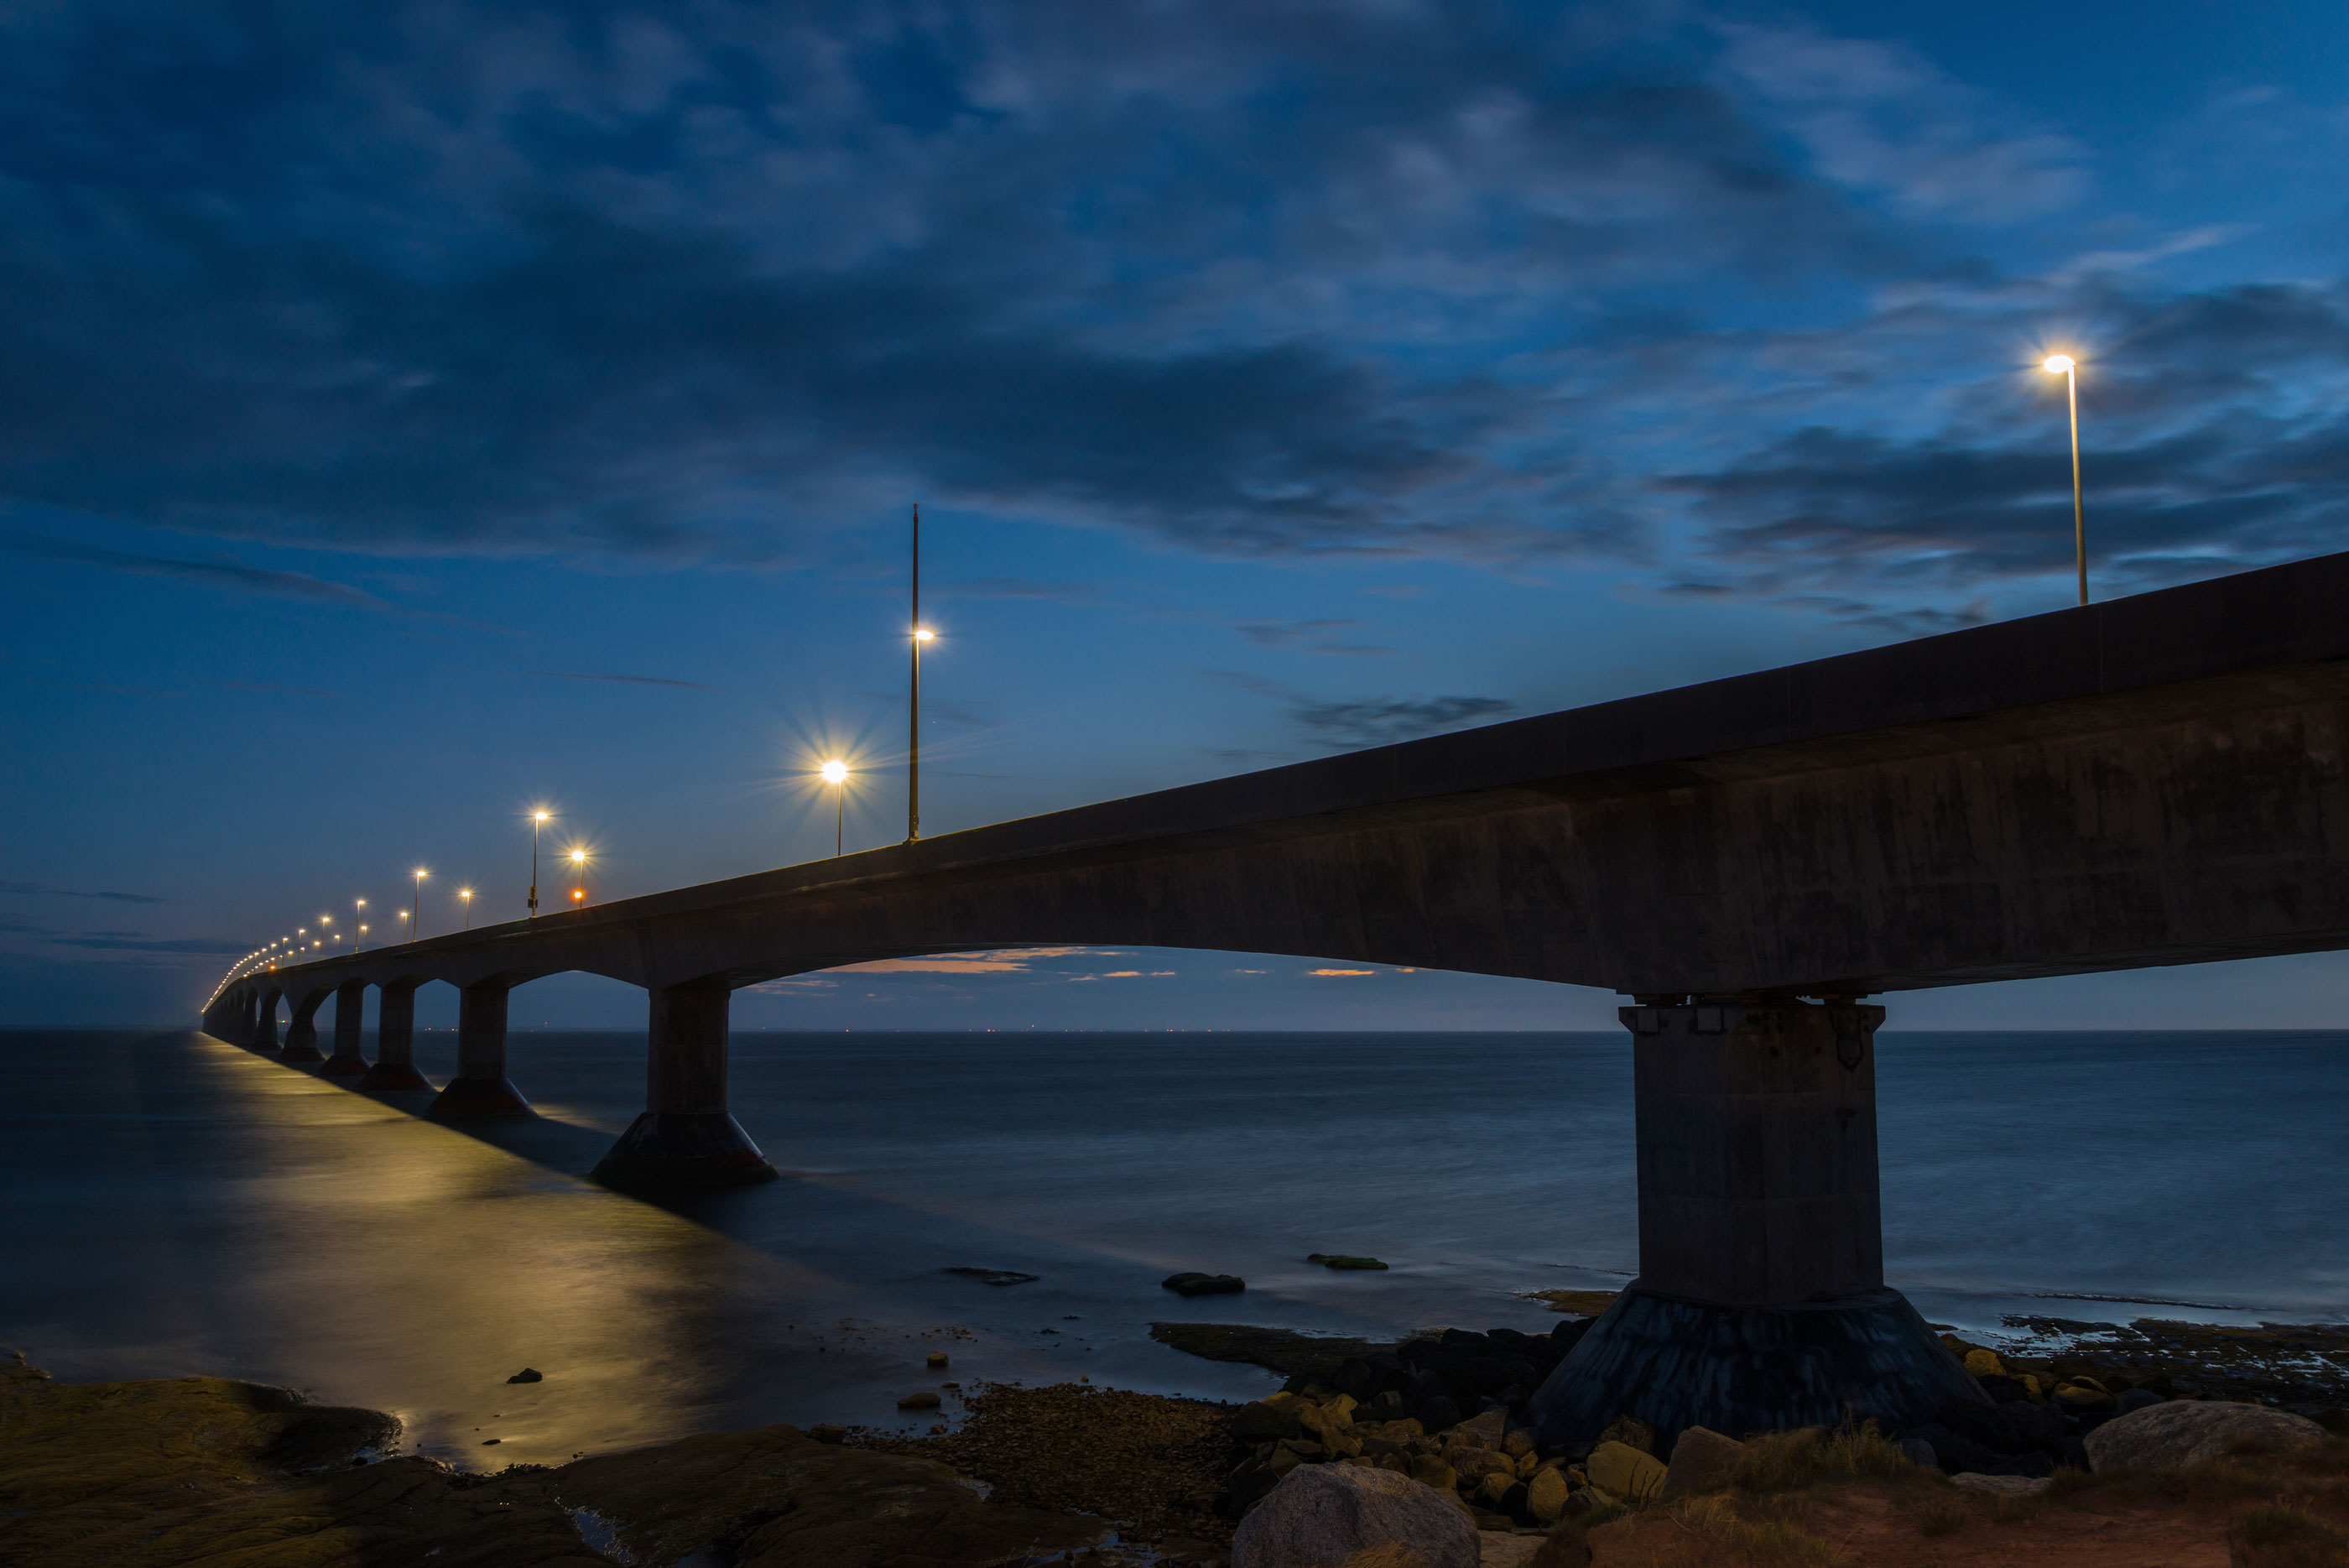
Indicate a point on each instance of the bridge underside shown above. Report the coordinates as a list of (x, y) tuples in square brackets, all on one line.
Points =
[(2158, 781)]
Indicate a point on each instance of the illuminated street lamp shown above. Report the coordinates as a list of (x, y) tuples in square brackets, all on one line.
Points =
[(2064, 365), (465, 896), (537, 820), (836, 774), (579, 878), (360, 906), (417, 910)]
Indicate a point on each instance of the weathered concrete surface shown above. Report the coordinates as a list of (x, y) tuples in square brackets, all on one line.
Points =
[(686, 1136), (350, 1004), (395, 1041), (480, 1087), (2156, 779)]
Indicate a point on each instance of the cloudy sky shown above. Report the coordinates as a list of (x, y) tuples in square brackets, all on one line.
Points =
[(413, 413)]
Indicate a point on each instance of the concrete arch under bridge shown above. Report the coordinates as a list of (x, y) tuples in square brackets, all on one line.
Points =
[(2159, 780)]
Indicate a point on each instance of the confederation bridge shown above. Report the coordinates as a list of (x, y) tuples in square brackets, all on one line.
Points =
[(2159, 780)]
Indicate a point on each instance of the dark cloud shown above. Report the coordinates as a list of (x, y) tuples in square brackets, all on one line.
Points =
[(30, 890), (192, 945), (624, 679), (1382, 721), (227, 574)]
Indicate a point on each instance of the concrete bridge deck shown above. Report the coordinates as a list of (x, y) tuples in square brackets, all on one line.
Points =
[(2155, 780)]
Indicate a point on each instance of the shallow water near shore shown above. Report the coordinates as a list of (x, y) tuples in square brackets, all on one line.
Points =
[(171, 1204)]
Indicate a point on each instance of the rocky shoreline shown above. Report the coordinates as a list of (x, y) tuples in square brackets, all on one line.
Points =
[(191, 1470)]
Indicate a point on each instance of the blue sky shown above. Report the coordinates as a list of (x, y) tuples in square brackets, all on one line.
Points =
[(413, 414)]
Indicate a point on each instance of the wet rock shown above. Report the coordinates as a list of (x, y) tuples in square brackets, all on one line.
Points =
[(1342, 1260), (2083, 1398), (1628, 1472), (2182, 1432), (1198, 1284), (937, 1360), (1631, 1433), (1324, 1516), (1429, 1470), (1983, 1363), (923, 1400), (491, 1442), (1262, 1423), (827, 1433), (528, 1374), (995, 1276), (1702, 1460), (1546, 1493)]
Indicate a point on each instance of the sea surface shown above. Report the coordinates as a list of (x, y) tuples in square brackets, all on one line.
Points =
[(170, 1204)]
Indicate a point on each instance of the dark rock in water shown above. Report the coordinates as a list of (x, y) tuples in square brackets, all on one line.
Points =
[(995, 1276), (528, 1374), (2135, 1399), (923, 1400), (828, 1433), (491, 1442), (1437, 1414), (1197, 1284), (1341, 1261)]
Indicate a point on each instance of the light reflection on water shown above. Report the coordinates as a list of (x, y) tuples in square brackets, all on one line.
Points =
[(171, 1204)]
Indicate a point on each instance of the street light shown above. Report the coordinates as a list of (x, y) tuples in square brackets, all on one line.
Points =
[(416, 932), (2064, 365), (537, 820), (360, 905), (836, 774), (579, 872), (465, 896)]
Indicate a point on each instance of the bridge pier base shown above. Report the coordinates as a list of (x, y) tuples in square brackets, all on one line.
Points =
[(1761, 1304), (479, 1088), (395, 1041), (350, 1005), (265, 1023), (685, 1136), (302, 1030)]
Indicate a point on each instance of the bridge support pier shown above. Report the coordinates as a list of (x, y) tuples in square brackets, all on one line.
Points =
[(479, 1088), (395, 1041), (265, 1023), (685, 1136), (1761, 1301), (248, 1017), (350, 1005), (302, 1030)]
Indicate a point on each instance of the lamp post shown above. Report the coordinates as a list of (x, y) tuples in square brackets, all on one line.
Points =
[(922, 634), (327, 937), (2064, 365), (465, 898), (360, 906), (836, 774), (537, 820), (416, 915), (579, 876)]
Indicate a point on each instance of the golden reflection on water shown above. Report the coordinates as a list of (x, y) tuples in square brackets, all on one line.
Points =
[(404, 1266)]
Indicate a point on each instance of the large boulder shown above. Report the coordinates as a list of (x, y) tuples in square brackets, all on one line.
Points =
[(1322, 1516), (2184, 1432), (1626, 1472), (1702, 1460)]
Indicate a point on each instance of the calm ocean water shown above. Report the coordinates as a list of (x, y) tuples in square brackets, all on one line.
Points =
[(171, 1204)]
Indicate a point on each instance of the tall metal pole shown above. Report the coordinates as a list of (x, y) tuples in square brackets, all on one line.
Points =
[(2079, 518), (416, 912), (839, 816), (533, 865), (913, 747)]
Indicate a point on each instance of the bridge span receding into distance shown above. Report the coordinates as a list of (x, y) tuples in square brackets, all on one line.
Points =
[(2155, 780)]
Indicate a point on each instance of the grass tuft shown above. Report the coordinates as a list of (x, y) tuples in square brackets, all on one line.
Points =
[(1785, 1461), (1942, 1516)]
